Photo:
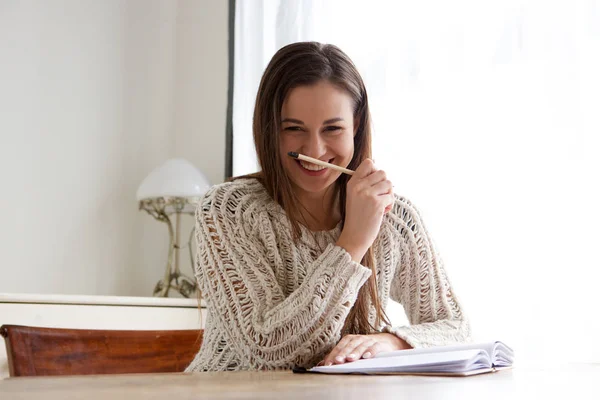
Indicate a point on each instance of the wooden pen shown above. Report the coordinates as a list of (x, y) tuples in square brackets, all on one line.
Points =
[(319, 162)]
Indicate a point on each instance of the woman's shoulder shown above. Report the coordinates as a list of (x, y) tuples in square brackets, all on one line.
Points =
[(239, 207), (235, 192), (403, 213), (239, 197), (401, 203)]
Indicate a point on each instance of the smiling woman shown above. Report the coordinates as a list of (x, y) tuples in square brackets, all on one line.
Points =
[(297, 262), (317, 121)]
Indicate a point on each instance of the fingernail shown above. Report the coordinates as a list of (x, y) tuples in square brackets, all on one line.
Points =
[(352, 356), (367, 355), (339, 358), (328, 364)]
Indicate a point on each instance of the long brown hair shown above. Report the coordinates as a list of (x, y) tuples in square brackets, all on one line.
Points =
[(305, 64)]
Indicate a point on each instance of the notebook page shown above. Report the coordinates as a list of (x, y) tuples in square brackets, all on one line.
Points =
[(452, 361), (488, 347), (504, 356)]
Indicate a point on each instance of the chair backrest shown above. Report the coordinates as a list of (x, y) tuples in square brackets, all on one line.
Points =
[(34, 351)]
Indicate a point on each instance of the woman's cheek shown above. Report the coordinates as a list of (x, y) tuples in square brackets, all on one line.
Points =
[(346, 149)]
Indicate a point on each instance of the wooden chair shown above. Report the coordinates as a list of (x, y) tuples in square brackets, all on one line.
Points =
[(34, 351)]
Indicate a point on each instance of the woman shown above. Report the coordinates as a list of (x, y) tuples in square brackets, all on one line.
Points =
[(297, 257)]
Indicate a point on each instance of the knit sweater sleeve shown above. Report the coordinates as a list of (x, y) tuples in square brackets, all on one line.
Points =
[(269, 329), (421, 285)]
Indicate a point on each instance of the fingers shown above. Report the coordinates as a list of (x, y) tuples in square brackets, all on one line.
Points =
[(334, 353), (342, 349), (367, 175), (367, 349), (366, 168), (373, 350), (359, 351), (352, 348), (374, 178), (375, 185), (381, 188), (387, 201)]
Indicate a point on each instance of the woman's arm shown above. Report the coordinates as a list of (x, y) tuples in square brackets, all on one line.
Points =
[(237, 280), (421, 285)]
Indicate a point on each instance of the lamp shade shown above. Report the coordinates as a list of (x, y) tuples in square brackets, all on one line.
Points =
[(175, 178)]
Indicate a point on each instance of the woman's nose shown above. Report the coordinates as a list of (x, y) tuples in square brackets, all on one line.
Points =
[(314, 146)]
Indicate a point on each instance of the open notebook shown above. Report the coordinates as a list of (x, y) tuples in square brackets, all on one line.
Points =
[(459, 360)]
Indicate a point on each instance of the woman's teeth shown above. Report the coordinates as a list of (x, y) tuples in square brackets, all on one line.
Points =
[(311, 166)]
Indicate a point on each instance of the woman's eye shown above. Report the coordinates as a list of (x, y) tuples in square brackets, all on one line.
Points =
[(292, 128), (333, 128)]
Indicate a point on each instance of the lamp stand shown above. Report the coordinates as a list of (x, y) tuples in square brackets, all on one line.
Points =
[(162, 208)]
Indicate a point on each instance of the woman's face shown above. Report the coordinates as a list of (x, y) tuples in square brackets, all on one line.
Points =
[(316, 121)]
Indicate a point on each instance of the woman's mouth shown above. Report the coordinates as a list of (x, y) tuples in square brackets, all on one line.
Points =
[(312, 169)]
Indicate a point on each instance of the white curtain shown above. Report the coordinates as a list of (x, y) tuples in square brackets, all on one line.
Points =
[(487, 115)]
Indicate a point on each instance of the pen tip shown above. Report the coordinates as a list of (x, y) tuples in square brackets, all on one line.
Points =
[(293, 154)]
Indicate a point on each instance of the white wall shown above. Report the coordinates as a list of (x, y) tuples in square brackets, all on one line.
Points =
[(201, 87), (93, 96), (201, 84)]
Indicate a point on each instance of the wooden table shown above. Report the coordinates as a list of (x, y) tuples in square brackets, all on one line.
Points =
[(569, 382)]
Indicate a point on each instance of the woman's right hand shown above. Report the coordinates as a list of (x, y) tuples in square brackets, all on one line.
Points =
[(369, 196)]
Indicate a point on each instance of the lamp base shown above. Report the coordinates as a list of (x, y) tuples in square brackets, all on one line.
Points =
[(161, 208), (178, 282)]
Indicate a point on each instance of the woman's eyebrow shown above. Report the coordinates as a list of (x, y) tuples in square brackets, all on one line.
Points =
[(292, 120), (297, 121)]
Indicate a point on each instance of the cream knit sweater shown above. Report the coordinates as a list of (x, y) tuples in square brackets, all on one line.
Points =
[(273, 303)]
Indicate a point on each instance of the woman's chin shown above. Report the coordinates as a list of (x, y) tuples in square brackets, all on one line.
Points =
[(313, 187)]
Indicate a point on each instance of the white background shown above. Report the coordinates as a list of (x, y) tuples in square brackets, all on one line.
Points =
[(486, 115)]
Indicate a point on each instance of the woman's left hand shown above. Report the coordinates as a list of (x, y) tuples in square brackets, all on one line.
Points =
[(355, 347)]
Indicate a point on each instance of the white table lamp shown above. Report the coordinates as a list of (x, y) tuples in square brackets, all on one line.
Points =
[(173, 188)]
